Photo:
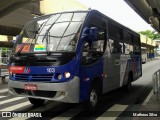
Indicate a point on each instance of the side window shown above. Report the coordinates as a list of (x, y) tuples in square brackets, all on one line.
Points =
[(115, 43), (98, 46), (128, 42), (115, 32), (127, 37), (136, 44), (94, 50)]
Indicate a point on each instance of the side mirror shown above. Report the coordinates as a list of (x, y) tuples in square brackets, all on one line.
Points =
[(17, 36), (90, 34), (93, 34)]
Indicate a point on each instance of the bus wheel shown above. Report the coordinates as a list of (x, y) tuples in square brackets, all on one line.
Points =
[(36, 102), (93, 98), (129, 83)]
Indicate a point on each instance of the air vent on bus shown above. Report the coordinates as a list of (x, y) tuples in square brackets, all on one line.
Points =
[(39, 93), (33, 77)]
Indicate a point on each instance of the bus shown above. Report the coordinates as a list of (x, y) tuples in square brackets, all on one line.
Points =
[(144, 54), (73, 57)]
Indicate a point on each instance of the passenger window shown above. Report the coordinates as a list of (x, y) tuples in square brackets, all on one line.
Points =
[(94, 50), (115, 33), (115, 43), (136, 44), (128, 42), (115, 46)]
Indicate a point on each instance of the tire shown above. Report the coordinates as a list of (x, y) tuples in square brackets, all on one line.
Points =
[(129, 84), (36, 102), (93, 100)]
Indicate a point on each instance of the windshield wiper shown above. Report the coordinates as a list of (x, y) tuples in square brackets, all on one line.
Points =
[(33, 35), (65, 30), (46, 33), (22, 45)]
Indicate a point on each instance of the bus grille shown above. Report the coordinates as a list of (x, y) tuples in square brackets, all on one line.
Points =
[(33, 77), (39, 93)]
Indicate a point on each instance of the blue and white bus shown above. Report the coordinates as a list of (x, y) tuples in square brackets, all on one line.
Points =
[(73, 57)]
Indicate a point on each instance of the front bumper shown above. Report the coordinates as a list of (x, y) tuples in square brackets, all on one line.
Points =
[(64, 92)]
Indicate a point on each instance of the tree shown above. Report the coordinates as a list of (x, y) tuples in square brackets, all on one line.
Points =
[(151, 34)]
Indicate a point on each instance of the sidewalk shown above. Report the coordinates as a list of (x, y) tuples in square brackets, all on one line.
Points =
[(147, 111), (153, 104), (150, 111)]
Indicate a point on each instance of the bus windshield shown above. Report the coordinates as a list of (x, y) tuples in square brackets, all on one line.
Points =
[(57, 32)]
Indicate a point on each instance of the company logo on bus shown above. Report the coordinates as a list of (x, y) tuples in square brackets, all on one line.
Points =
[(16, 69), (19, 69)]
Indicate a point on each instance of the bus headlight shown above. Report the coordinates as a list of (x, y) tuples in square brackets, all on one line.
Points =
[(67, 74)]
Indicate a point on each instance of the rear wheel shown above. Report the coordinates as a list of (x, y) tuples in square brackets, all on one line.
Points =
[(36, 102), (129, 83)]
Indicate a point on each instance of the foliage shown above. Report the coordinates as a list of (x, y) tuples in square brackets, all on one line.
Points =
[(4, 51), (151, 34)]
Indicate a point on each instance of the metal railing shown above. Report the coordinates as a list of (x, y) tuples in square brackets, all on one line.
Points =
[(156, 84), (3, 72), (4, 60)]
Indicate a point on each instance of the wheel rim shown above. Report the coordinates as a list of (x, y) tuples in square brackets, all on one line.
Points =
[(93, 98)]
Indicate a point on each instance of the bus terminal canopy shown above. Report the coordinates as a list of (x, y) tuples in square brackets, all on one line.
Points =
[(6, 44), (14, 14), (149, 10)]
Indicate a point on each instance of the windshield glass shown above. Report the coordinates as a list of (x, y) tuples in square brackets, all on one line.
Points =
[(57, 32)]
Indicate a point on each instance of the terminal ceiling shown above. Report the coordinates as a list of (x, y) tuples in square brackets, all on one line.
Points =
[(14, 14), (149, 10)]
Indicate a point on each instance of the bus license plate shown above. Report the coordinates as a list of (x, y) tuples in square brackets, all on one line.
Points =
[(30, 87)]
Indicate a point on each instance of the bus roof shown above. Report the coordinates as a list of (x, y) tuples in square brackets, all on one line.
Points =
[(92, 11)]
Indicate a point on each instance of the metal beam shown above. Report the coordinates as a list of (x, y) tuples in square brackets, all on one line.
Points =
[(147, 10), (13, 16), (6, 44), (12, 5), (12, 31)]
